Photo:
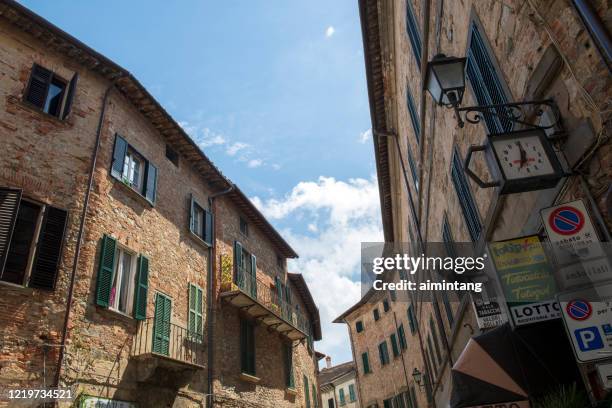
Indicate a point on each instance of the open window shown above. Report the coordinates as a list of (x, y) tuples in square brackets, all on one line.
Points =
[(134, 170), (31, 240), (49, 92), (201, 222)]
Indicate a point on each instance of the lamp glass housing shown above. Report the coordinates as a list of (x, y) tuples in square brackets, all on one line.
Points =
[(446, 79)]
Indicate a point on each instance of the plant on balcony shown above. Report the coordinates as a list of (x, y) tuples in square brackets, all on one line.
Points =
[(274, 307), (227, 276)]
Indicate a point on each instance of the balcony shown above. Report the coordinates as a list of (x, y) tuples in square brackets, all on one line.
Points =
[(162, 344), (262, 303)]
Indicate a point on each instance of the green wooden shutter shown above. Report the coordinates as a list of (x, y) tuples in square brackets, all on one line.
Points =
[(195, 313), (352, 392), (394, 346), (253, 276), (141, 289), (290, 380), (306, 392), (106, 270), (119, 153), (315, 402), (208, 227), (366, 363), (161, 324), (192, 214), (238, 270), (342, 397), (150, 187)]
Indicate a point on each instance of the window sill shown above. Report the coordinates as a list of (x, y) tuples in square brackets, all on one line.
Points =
[(16, 286), (198, 239), (36, 110), (291, 391), (249, 378), (133, 192), (116, 313)]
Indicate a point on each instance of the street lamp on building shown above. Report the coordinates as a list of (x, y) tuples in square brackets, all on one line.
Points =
[(519, 133)]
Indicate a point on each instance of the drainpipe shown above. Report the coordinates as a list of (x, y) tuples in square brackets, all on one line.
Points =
[(210, 281), (77, 252)]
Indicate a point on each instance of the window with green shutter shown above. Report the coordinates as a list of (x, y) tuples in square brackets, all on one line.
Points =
[(394, 346), (106, 269), (200, 222), (383, 352), (315, 400), (352, 396), (412, 321), (132, 169), (366, 363), (289, 377), (247, 347), (141, 289), (306, 392), (196, 309), (161, 324), (402, 337), (341, 396)]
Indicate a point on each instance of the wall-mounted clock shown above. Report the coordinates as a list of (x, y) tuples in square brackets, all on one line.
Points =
[(525, 161)]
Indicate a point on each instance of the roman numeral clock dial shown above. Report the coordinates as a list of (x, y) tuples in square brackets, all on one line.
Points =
[(522, 157)]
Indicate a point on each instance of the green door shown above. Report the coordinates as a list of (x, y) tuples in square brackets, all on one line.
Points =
[(161, 324)]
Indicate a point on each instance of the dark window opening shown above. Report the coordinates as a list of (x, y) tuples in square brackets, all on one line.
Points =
[(50, 93), (244, 227), (376, 314), (247, 347), (386, 305), (172, 155), (359, 326)]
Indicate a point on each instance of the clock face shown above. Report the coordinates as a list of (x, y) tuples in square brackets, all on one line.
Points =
[(522, 157)]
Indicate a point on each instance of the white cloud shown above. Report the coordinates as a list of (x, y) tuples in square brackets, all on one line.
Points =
[(276, 166), (330, 31), (345, 213), (365, 136), (235, 148), (254, 163)]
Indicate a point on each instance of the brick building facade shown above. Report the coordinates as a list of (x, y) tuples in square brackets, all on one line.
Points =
[(516, 51), (177, 286)]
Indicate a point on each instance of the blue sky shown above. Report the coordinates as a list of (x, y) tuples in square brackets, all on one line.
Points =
[(275, 93)]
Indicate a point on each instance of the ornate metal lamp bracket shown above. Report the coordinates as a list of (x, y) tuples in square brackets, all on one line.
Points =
[(527, 114)]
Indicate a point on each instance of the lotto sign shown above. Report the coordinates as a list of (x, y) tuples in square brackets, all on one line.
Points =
[(578, 254), (587, 314)]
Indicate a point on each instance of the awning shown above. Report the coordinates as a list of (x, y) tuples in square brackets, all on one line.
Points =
[(489, 371)]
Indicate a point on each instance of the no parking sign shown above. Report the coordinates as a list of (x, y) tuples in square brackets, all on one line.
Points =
[(579, 256)]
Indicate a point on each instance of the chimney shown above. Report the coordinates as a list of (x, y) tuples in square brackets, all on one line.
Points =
[(328, 361)]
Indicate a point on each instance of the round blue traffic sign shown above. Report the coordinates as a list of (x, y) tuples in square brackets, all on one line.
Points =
[(579, 309)]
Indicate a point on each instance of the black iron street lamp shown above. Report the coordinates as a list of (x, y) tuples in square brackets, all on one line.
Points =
[(521, 148), (445, 80)]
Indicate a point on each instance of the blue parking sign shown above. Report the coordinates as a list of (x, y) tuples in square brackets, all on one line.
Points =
[(588, 338)]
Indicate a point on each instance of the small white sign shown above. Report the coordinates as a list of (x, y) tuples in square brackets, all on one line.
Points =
[(488, 312), (605, 375), (535, 312), (587, 314), (98, 402), (578, 253)]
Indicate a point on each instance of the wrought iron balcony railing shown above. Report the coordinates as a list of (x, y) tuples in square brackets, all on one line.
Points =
[(266, 296), (160, 338)]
